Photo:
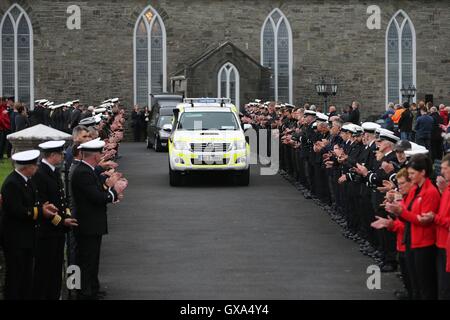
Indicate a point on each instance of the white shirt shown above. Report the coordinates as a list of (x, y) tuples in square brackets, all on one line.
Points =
[(25, 178), (50, 166), (88, 165)]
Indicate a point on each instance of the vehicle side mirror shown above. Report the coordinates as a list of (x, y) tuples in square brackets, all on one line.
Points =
[(167, 127), (247, 126)]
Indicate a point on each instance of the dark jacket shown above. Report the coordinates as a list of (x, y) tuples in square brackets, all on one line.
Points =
[(90, 198), (57, 119), (354, 116), (377, 176), (75, 118), (37, 116), (405, 124), (50, 188), (20, 203), (21, 122), (135, 122), (12, 119), (436, 133), (424, 127)]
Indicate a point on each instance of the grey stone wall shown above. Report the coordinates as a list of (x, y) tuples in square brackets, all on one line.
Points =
[(203, 77), (329, 37)]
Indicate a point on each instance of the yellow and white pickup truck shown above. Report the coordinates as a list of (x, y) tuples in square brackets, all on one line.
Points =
[(207, 135)]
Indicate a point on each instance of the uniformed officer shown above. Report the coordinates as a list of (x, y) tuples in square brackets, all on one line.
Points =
[(21, 211), (57, 120), (307, 139), (90, 198), (367, 158), (49, 254), (320, 176), (75, 116), (375, 178)]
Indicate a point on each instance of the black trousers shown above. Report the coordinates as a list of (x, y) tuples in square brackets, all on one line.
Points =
[(309, 171), (437, 149), (48, 267), (426, 142), (4, 142), (300, 166), (367, 214), (137, 130), (421, 263), (351, 199), (19, 273), (406, 277), (88, 257), (442, 276)]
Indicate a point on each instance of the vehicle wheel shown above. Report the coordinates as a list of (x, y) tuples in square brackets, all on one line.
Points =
[(158, 147), (175, 178), (243, 179), (149, 145)]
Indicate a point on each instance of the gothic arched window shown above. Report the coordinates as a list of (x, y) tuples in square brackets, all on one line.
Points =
[(16, 56), (228, 83), (276, 54), (400, 56), (150, 74)]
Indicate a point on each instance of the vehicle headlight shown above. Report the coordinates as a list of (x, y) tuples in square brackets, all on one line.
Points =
[(181, 145), (164, 134), (239, 145)]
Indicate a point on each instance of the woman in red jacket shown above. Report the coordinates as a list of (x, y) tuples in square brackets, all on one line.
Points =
[(398, 226), (419, 237), (442, 223)]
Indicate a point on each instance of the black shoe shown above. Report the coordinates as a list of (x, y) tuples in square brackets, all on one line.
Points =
[(102, 293), (84, 297), (388, 267), (402, 295)]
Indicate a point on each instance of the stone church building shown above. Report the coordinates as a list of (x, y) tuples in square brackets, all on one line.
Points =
[(241, 49)]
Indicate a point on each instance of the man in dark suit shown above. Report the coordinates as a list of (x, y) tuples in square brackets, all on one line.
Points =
[(75, 117), (49, 255), (90, 197), (21, 211)]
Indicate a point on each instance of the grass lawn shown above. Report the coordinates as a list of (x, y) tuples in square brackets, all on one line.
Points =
[(5, 169)]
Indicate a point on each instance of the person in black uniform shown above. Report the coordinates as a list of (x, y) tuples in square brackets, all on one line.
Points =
[(37, 115), (366, 213), (375, 178), (49, 255), (75, 117), (57, 117), (307, 138), (21, 211), (320, 175), (349, 191), (46, 114), (90, 197)]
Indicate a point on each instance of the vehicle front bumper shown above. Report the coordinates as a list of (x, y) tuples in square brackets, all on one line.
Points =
[(190, 161)]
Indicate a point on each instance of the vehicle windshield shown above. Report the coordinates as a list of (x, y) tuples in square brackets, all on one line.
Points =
[(164, 120), (168, 103), (208, 121)]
